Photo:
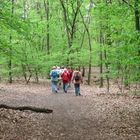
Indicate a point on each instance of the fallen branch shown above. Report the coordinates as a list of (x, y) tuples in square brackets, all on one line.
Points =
[(31, 108)]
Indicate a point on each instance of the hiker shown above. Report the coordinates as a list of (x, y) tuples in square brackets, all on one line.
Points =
[(54, 79), (65, 79), (77, 80), (59, 77), (70, 71)]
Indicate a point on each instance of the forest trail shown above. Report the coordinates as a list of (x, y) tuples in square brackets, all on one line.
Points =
[(93, 116)]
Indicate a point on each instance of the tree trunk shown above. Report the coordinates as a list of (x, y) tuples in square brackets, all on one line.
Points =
[(10, 49), (70, 23), (83, 71), (89, 41), (101, 61), (36, 75), (107, 71), (46, 5), (10, 63), (137, 18)]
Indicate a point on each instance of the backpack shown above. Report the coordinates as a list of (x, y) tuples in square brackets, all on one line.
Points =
[(77, 77), (65, 76), (70, 72), (54, 74)]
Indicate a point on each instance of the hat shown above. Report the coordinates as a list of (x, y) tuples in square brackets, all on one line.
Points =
[(53, 67)]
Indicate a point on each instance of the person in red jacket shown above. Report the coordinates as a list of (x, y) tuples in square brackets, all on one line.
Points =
[(65, 79), (70, 71)]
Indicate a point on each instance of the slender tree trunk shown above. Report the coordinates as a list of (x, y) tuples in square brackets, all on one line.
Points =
[(126, 83), (90, 58), (101, 69), (101, 60), (137, 20), (89, 72), (25, 10), (43, 43), (10, 49), (83, 37), (83, 71), (36, 75), (106, 65), (10, 63), (24, 72), (89, 41), (70, 23), (48, 28), (66, 23), (46, 5)]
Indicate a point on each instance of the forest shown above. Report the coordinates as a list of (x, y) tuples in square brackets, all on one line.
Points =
[(36, 35), (101, 37)]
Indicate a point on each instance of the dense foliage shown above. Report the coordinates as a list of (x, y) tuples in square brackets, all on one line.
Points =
[(37, 34)]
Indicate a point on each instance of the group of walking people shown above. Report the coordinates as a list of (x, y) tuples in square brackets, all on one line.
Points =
[(65, 76)]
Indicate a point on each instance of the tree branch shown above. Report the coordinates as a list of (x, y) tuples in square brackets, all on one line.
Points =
[(126, 2)]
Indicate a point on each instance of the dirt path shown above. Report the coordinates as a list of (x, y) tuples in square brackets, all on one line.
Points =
[(93, 116)]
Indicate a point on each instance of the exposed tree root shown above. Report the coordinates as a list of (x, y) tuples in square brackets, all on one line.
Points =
[(22, 108)]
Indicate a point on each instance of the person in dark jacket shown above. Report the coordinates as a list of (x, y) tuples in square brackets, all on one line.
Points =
[(77, 79)]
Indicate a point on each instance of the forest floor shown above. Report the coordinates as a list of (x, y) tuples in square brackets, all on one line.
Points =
[(96, 115)]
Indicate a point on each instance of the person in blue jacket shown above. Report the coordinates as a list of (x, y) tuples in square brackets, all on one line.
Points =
[(54, 79)]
